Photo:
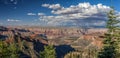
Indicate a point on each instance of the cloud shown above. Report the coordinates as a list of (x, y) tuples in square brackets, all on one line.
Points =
[(41, 14), (83, 8), (12, 20), (45, 5), (31, 14), (83, 14), (53, 6)]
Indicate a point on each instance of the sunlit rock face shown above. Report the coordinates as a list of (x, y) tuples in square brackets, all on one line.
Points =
[(62, 38), (55, 35), (76, 37)]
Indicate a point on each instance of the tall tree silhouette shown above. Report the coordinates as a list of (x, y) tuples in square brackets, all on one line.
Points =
[(49, 52), (112, 37)]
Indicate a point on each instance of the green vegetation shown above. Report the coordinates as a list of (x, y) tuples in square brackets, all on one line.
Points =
[(49, 52), (14, 50), (112, 37), (9, 50), (73, 55), (4, 51), (111, 47), (87, 53)]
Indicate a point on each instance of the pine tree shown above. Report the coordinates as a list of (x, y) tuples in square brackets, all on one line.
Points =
[(9, 50), (72, 55), (14, 50), (49, 52), (4, 51), (112, 37)]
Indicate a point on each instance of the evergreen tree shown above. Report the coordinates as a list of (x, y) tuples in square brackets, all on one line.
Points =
[(14, 50), (74, 54), (9, 50), (112, 37), (4, 51), (49, 52)]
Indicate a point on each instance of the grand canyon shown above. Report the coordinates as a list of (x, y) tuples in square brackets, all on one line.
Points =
[(66, 39), (59, 29)]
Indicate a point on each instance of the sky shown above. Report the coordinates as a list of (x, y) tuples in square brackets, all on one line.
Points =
[(68, 13)]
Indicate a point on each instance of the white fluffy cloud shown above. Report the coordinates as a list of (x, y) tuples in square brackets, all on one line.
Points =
[(12, 20), (83, 14), (41, 14), (83, 9), (118, 14), (53, 6), (31, 14)]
